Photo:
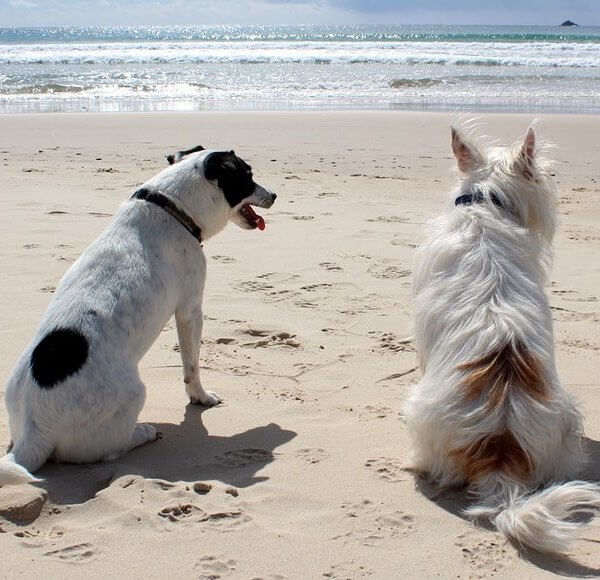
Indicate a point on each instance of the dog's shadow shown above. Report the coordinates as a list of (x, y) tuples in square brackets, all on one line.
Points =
[(186, 452), (455, 501)]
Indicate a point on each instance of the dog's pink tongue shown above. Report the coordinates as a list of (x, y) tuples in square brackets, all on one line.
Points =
[(251, 214)]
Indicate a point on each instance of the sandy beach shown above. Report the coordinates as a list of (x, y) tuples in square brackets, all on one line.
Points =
[(307, 338)]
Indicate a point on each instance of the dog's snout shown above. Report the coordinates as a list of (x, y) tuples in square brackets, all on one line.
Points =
[(273, 196)]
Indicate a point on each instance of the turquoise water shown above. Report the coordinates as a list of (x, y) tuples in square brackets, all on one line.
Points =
[(508, 68)]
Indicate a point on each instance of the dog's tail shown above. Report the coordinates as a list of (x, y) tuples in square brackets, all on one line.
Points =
[(548, 520)]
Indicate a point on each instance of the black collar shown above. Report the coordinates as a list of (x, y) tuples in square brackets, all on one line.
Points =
[(478, 197), (169, 206)]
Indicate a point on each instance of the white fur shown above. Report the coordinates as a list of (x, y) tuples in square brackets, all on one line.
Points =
[(479, 285), (141, 270)]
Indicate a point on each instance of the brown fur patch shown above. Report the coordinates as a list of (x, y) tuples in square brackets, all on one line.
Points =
[(499, 452), (493, 376)]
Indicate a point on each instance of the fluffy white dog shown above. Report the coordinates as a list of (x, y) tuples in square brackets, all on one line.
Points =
[(490, 411), (75, 394)]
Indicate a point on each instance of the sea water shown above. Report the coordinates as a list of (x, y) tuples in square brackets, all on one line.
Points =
[(186, 68)]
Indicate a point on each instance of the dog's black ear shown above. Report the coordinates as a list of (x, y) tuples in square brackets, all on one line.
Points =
[(233, 176), (219, 165), (181, 154)]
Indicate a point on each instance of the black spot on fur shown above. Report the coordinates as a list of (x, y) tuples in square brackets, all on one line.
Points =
[(233, 175), (181, 154), (60, 354)]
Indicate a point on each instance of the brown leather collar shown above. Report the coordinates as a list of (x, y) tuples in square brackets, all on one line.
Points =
[(169, 206)]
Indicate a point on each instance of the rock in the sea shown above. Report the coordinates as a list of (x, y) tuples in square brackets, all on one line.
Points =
[(21, 504), (569, 23)]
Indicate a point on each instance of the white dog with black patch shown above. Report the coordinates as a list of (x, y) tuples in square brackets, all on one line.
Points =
[(75, 394), (490, 412)]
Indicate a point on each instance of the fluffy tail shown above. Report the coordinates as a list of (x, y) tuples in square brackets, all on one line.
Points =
[(545, 520), (11, 473)]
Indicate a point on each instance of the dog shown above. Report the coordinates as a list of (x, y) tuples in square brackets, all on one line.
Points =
[(75, 394), (490, 412)]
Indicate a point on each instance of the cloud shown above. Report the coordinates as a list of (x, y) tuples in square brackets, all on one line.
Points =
[(196, 12), (22, 4)]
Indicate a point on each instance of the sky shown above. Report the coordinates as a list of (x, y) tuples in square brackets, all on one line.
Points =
[(152, 12)]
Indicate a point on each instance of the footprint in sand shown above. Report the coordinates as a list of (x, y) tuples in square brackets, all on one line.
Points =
[(313, 287), (277, 339), (74, 553), (48, 289), (252, 286), (191, 514), (181, 512), (574, 296), (213, 567), (226, 521), (280, 296), (384, 272), (278, 276), (63, 259), (303, 217), (486, 557), (578, 343), (388, 341), (582, 237), (347, 571), (259, 332), (401, 240), (31, 246), (395, 523), (99, 214), (242, 457), (371, 412), (387, 469), (223, 259), (330, 266), (312, 454), (225, 340), (389, 219), (565, 315), (372, 525)]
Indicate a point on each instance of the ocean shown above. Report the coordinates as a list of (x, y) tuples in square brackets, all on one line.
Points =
[(188, 68)]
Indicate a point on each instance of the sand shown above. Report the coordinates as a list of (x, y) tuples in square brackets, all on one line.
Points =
[(307, 337)]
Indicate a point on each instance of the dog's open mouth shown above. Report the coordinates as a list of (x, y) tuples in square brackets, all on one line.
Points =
[(253, 219)]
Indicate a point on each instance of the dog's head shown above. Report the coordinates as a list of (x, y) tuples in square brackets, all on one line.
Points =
[(231, 183), (517, 179)]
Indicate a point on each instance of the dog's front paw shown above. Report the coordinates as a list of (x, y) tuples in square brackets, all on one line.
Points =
[(211, 399), (198, 396)]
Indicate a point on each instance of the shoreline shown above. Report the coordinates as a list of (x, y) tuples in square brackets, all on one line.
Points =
[(450, 114), (443, 108)]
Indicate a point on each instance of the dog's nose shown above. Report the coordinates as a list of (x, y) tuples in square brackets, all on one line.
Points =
[(274, 196)]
